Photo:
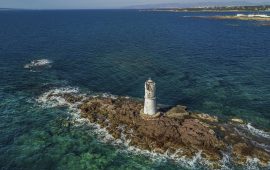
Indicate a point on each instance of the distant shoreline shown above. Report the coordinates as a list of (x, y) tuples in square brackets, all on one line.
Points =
[(237, 18), (171, 10), (257, 8), (265, 8)]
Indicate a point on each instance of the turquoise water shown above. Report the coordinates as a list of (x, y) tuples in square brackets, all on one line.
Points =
[(216, 66)]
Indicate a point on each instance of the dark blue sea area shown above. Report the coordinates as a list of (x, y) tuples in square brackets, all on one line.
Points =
[(220, 67)]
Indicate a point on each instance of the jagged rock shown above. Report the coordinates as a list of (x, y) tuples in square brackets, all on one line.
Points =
[(242, 152)]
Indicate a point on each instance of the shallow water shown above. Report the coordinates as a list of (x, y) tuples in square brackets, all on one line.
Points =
[(216, 66)]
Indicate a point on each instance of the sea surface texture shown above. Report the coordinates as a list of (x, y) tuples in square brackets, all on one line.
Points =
[(220, 67)]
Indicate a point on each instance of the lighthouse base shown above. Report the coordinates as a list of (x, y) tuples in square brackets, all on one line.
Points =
[(149, 117)]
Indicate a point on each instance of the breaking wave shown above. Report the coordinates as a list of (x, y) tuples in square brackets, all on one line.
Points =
[(258, 132), (252, 164), (38, 63), (226, 161), (51, 98)]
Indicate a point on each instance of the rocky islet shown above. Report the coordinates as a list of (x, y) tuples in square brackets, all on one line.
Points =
[(176, 131)]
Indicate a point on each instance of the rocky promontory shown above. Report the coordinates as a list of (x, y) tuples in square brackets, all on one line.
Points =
[(176, 131)]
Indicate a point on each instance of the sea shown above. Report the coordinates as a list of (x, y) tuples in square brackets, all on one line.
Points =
[(219, 67)]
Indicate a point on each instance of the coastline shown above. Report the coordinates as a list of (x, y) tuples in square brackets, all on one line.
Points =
[(236, 18), (200, 10)]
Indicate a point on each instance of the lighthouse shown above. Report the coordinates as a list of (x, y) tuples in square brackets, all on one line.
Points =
[(150, 108)]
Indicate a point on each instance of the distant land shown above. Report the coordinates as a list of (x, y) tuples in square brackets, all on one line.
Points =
[(216, 9), (5, 9), (199, 5), (11, 9)]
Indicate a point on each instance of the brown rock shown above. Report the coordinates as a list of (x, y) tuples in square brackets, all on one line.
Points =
[(243, 151), (177, 112)]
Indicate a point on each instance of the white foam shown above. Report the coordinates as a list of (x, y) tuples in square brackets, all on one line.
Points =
[(183, 161), (258, 132), (226, 161), (252, 164), (53, 98), (190, 163), (38, 63)]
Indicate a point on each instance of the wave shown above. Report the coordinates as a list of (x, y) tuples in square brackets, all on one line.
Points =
[(53, 98), (38, 63), (252, 164), (226, 161), (123, 147), (257, 132)]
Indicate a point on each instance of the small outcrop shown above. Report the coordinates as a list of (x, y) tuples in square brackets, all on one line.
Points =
[(178, 112)]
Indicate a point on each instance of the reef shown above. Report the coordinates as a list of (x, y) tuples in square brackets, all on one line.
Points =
[(176, 131)]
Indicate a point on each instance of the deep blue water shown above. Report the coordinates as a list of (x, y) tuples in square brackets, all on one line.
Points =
[(219, 67)]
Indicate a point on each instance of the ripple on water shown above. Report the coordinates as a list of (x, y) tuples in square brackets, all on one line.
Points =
[(38, 64)]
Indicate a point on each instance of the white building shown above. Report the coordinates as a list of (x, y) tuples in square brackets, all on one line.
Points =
[(150, 107)]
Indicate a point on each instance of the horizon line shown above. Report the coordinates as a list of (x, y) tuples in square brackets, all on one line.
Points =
[(125, 8)]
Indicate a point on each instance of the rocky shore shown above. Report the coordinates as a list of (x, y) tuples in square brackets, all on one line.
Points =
[(176, 131), (236, 18)]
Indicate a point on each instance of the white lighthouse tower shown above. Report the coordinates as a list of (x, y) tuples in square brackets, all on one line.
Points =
[(150, 108)]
